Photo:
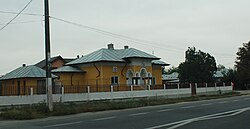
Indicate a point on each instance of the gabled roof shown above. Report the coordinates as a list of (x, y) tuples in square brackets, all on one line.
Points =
[(221, 73), (42, 63), (112, 55), (26, 72), (67, 60), (158, 62), (131, 52), (67, 69), (171, 78)]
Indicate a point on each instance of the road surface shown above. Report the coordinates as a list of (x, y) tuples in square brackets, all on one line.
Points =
[(226, 113)]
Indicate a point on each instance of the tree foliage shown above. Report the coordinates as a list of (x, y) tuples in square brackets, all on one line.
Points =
[(243, 64), (230, 76), (198, 66)]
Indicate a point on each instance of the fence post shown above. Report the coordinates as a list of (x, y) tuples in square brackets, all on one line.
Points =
[(62, 94), (206, 88), (148, 87), (232, 85), (191, 92), (164, 86), (111, 89), (112, 92), (88, 96), (31, 96), (178, 87), (196, 88), (31, 92), (131, 88), (215, 85), (224, 84)]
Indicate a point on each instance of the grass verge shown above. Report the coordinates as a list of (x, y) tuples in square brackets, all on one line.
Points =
[(40, 110)]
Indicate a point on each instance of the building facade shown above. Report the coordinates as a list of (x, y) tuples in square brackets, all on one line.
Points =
[(120, 68), (21, 80), (98, 70)]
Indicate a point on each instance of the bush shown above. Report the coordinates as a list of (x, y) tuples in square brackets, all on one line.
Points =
[(20, 114)]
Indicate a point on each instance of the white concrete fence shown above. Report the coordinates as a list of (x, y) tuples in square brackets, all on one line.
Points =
[(168, 93)]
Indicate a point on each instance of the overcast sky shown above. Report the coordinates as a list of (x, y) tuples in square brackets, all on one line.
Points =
[(168, 28)]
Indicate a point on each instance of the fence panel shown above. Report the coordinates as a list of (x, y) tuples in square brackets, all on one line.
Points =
[(171, 85)]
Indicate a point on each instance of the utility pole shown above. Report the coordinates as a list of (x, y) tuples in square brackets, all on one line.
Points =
[(48, 57)]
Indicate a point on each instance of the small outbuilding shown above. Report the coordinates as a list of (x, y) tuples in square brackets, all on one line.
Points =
[(22, 79)]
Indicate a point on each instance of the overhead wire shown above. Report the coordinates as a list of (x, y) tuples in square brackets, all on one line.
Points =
[(135, 40), (119, 36), (140, 41), (16, 15), (23, 22), (31, 14)]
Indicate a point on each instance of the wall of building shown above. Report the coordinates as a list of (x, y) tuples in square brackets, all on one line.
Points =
[(98, 75), (57, 63), (157, 74), (20, 86)]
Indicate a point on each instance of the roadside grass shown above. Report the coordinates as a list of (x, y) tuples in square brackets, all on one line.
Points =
[(40, 110)]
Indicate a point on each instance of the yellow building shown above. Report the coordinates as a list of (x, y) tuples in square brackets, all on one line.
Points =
[(98, 70), (21, 80), (120, 68)]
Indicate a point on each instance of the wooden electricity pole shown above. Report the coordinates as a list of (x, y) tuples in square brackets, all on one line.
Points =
[(48, 57)]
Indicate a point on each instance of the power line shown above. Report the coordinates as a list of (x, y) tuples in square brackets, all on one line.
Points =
[(16, 15), (144, 42), (135, 40), (31, 14), (23, 22), (139, 41)]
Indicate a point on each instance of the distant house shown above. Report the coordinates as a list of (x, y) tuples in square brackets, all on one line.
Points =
[(56, 62), (171, 78), (110, 66), (20, 80), (220, 73)]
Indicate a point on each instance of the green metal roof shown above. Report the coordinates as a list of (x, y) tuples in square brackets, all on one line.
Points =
[(113, 55), (158, 62), (131, 52), (67, 69), (26, 72)]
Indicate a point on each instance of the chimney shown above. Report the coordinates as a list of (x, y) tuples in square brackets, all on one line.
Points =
[(24, 65), (110, 46), (125, 47), (77, 57)]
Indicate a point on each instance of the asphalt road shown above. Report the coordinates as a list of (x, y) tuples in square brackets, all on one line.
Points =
[(227, 113)]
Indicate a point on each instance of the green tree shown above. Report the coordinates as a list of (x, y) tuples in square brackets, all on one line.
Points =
[(198, 66), (242, 65), (230, 76)]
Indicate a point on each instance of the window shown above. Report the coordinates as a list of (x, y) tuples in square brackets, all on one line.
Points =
[(115, 69), (114, 80)]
